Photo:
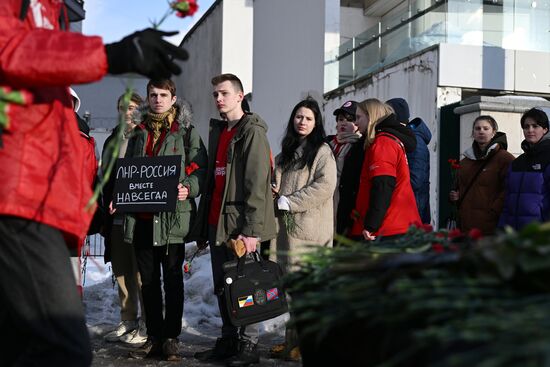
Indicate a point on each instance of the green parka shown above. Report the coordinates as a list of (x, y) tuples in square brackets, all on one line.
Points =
[(247, 203), (173, 227)]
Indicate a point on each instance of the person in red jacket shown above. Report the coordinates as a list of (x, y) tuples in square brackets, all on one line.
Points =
[(385, 204), (45, 187)]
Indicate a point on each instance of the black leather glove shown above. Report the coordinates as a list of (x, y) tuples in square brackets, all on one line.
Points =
[(146, 53)]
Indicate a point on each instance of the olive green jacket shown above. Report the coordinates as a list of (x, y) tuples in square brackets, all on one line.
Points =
[(173, 227), (247, 203)]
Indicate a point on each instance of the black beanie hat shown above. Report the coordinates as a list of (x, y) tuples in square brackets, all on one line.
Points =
[(401, 108)]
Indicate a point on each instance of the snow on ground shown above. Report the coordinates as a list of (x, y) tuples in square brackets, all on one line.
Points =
[(200, 309), (201, 319)]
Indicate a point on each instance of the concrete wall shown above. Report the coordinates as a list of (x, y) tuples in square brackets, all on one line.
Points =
[(100, 135), (100, 98), (237, 33), (220, 43), (332, 43), (288, 54), (205, 61), (414, 79), (494, 68), (353, 22)]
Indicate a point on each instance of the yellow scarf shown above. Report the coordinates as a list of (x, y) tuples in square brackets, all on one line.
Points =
[(156, 122)]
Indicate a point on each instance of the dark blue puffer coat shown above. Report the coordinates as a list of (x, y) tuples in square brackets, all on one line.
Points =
[(528, 186), (419, 166)]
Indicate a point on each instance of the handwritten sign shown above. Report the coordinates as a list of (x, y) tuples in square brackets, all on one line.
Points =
[(147, 184)]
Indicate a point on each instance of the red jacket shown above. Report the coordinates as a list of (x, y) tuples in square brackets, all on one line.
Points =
[(44, 177), (386, 157)]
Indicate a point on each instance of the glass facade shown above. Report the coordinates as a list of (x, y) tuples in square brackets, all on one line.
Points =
[(509, 24)]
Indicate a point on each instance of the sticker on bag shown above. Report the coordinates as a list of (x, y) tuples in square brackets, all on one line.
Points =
[(260, 297), (272, 294), (245, 301)]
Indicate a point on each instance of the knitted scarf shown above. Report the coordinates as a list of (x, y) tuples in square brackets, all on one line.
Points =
[(341, 145), (348, 137), (157, 122)]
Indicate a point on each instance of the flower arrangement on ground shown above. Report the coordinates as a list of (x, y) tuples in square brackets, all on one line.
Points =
[(440, 298)]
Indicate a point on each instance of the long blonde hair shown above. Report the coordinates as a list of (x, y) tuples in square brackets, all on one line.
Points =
[(376, 111)]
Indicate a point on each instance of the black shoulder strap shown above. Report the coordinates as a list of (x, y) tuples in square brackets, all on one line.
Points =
[(463, 195), (24, 9)]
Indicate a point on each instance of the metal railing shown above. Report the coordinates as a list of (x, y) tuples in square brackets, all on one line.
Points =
[(94, 246)]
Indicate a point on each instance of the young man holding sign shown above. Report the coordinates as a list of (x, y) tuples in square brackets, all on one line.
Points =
[(158, 237)]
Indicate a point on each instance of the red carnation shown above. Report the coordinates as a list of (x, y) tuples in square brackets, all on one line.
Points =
[(454, 233), (191, 168), (438, 248), (426, 227), (475, 234), (184, 8)]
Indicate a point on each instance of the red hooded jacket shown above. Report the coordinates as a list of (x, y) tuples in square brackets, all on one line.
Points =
[(42, 170)]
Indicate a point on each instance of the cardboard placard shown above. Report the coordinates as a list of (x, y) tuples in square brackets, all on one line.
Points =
[(147, 184)]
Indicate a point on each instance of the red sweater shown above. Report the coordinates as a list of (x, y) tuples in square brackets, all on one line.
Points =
[(219, 175)]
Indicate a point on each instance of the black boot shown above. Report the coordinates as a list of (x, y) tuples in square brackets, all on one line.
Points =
[(151, 349), (170, 350), (248, 354), (225, 348)]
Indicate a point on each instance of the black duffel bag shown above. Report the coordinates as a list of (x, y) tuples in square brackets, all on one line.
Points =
[(253, 289)]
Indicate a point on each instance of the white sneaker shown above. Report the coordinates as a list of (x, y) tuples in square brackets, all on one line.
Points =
[(123, 328), (138, 336)]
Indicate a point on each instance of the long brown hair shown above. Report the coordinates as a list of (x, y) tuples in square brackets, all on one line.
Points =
[(376, 111)]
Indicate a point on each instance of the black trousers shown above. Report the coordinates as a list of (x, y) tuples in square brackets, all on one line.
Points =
[(150, 260), (42, 320), (219, 255)]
